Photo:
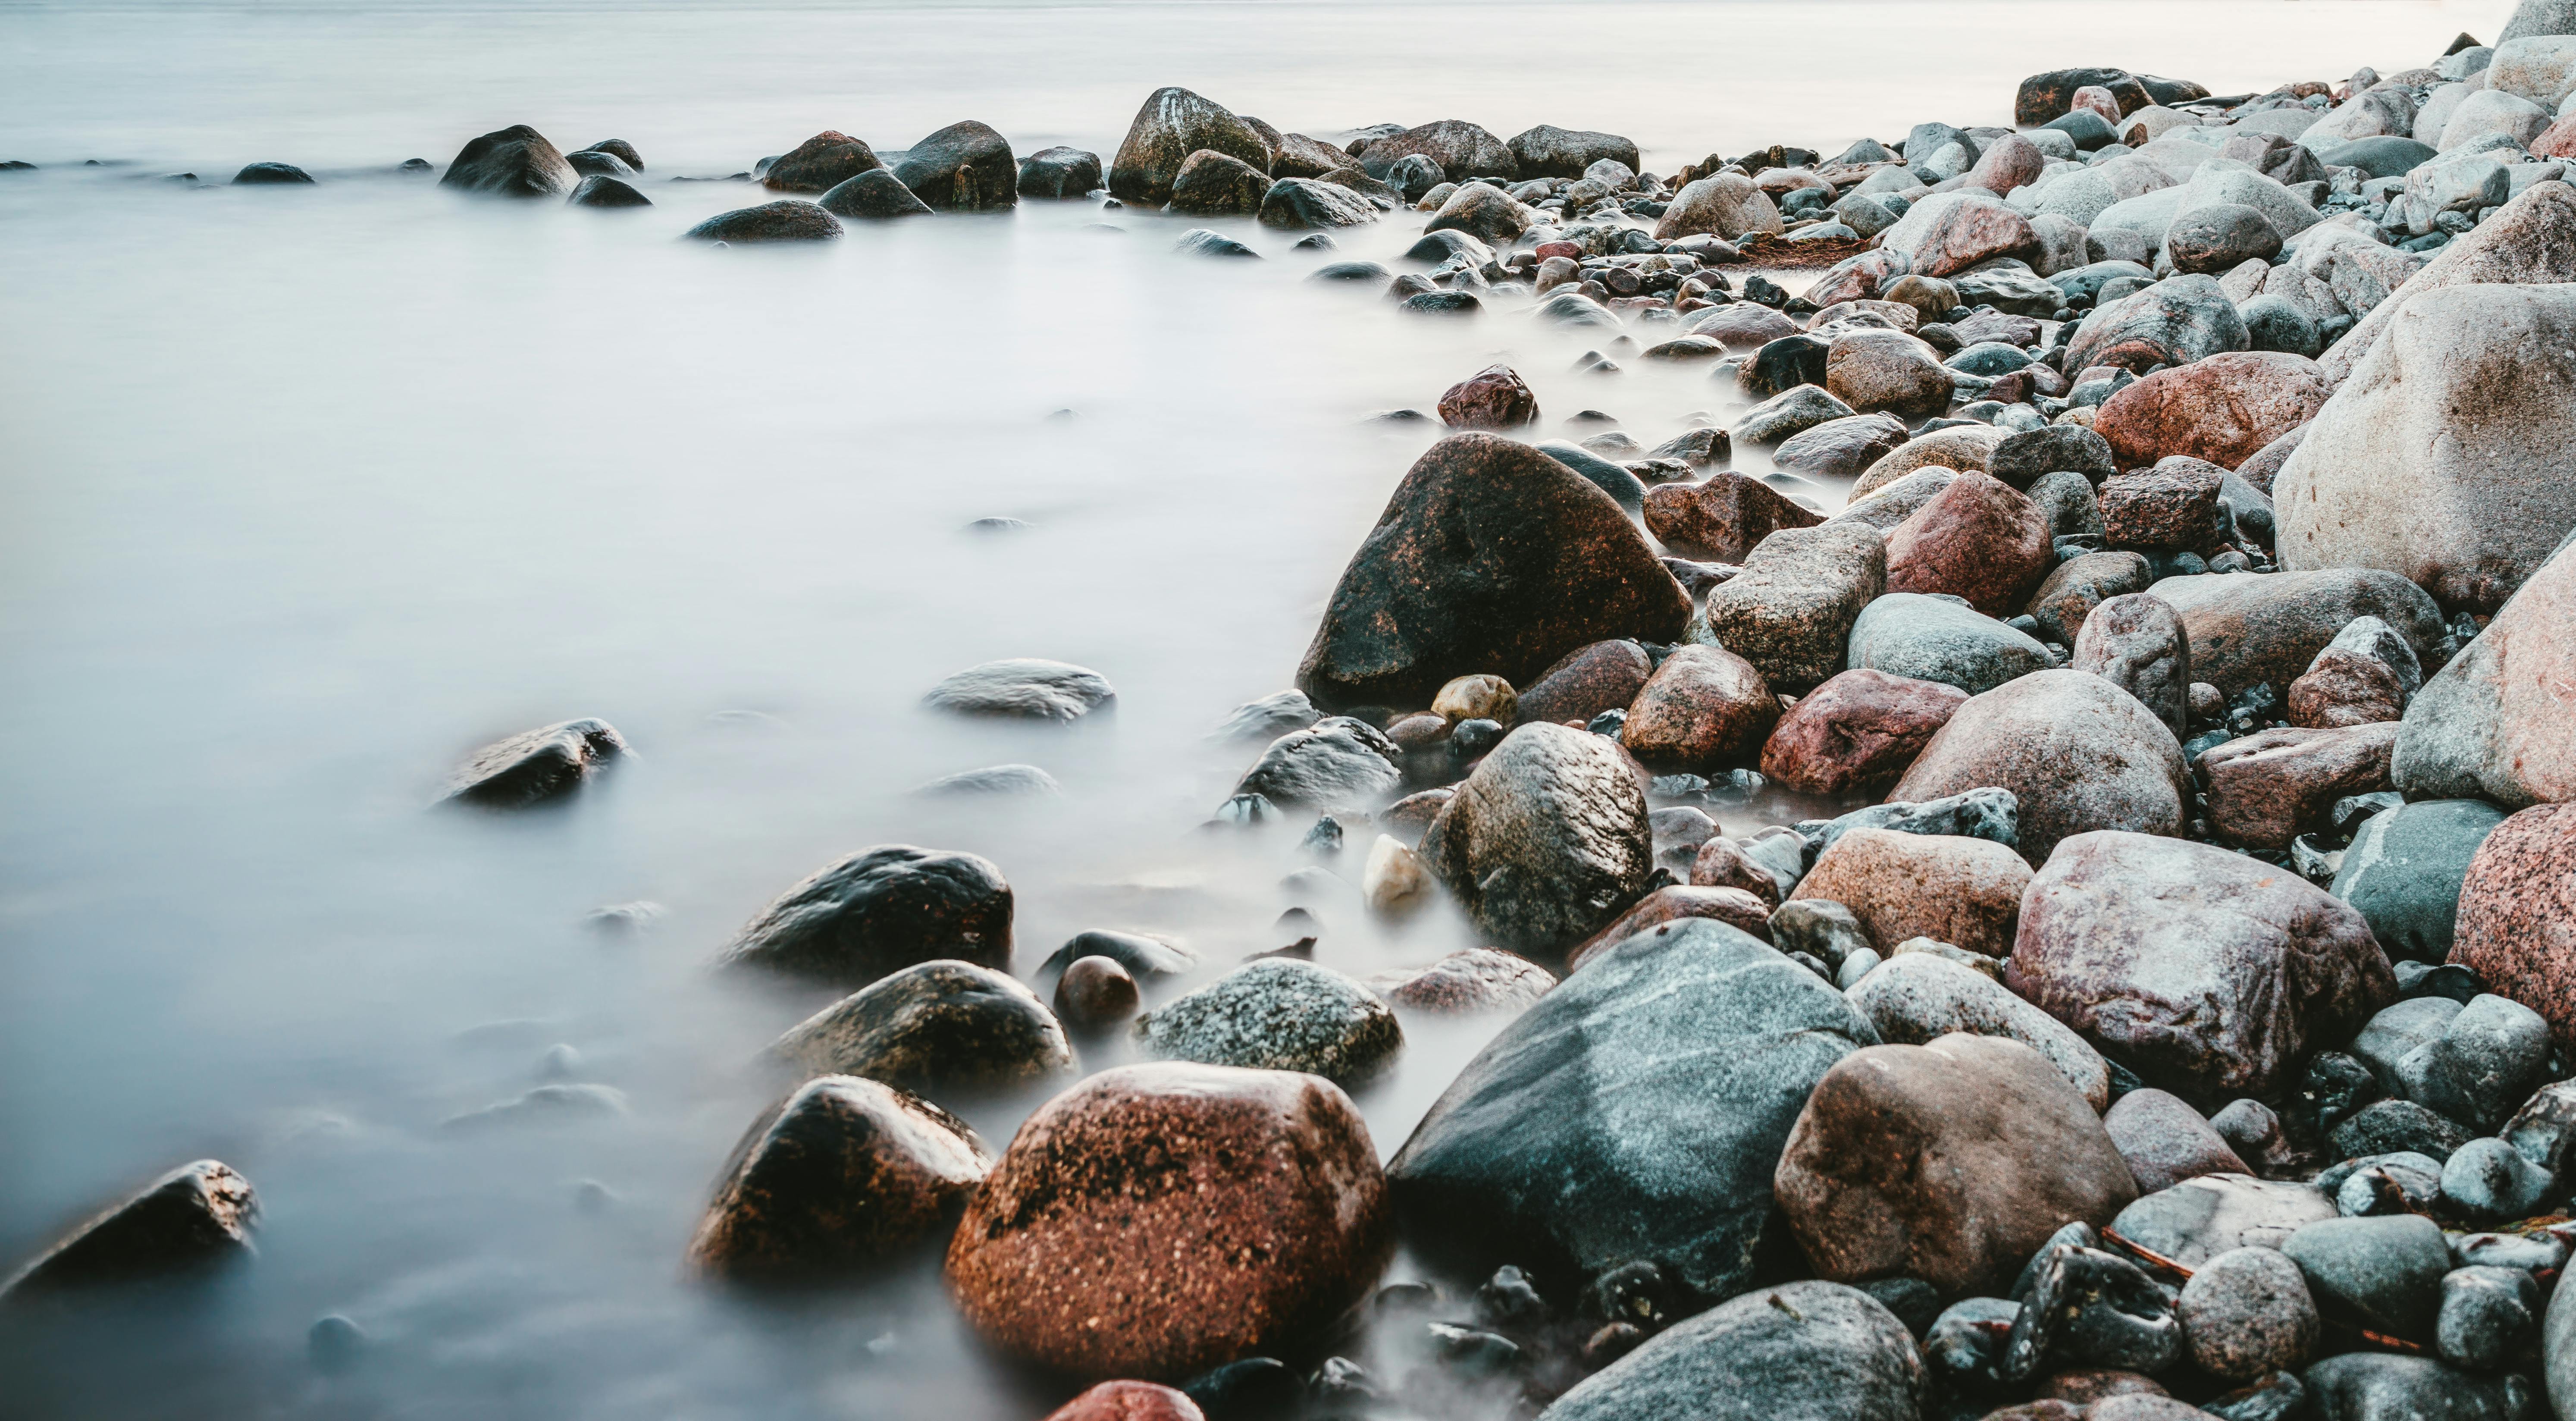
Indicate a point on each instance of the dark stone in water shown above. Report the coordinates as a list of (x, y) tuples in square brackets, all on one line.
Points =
[(1145, 958), (1336, 761), (197, 1216), (597, 191), (786, 220), (258, 173), (933, 1028), (1200, 242), (1783, 364), (535, 765), (511, 162), (871, 196), (1351, 271), (880, 911), (590, 162), (619, 149), (1059, 173), (965, 167), (1445, 303), (820, 163)]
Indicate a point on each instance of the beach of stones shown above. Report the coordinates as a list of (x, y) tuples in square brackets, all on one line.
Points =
[(2182, 1024)]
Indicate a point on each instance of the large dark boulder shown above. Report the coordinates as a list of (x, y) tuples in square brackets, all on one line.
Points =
[(1491, 558), (1462, 150), (196, 1216), (599, 191), (1806, 1351), (786, 220), (933, 1028), (1173, 124), (511, 162), (1636, 1112), (965, 167), (1059, 173), (1546, 841), (880, 911), (820, 163), (1551, 152), (2043, 97)]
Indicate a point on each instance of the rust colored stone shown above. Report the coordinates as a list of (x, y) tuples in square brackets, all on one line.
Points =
[(1722, 519), (1857, 731), (1978, 539), (1466, 982), (2265, 788), (2172, 505), (2518, 915), (1129, 1401), (2343, 687), (1720, 862), (1947, 887), (1704, 707), (1492, 398), (2223, 408), (1159, 1220), (1606, 675)]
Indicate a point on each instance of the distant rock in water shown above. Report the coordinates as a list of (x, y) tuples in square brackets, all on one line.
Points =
[(1059, 173), (193, 1217), (259, 173), (535, 765), (599, 191), (873, 195), (545, 1105), (592, 163), (619, 149), (1026, 687), (783, 221), (965, 167), (820, 163), (1173, 124), (993, 780), (880, 911), (1213, 184), (1200, 242), (511, 162), (841, 1177)]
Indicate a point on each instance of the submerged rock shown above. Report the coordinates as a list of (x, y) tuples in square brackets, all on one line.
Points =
[(880, 911), (535, 765), (197, 1216), (511, 162), (873, 195), (932, 1028), (1059, 174), (782, 221), (1546, 841), (1026, 688)]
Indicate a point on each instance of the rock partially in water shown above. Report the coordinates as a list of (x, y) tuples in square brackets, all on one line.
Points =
[(599, 191), (196, 1217), (2203, 970), (1546, 840), (1336, 761), (786, 220), (1157, 1220), (1173, 124), (1803, 1351), (511, 162), (1723, 518), (933, 1028), (1296, 203), (1059, 174), (535, 765), (1279, 1014), (1200, 242), (1470, 981), (1213, 184), (1636, 1111), (1146, 958), (965, 167), (879, 911), (1950, 1162), (844, 1176), (1547, 151), (994, 780), (1094, 994), (871, 196), (272, 174), (820, 163), (1025, 688), (1462, 150), (1859, 730), (1490, 557)]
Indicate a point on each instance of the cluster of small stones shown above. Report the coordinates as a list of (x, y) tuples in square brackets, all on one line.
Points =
[(2176, 1018)]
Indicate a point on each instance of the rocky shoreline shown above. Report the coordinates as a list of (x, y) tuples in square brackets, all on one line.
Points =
[(2183, 1025)]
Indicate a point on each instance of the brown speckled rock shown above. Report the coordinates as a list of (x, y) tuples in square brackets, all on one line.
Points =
[(2224, 408), (197, 1216), (1470, 981), (1720, 862), (1950, 1162), (1545, 840), (1857, 731), (1704, 708), (821, 163), (1675, 903), (1491, 558), (2344, 687), (1586, 681), (2518, 914), (1978, 539), (2078, 752), (2208, 973), (1492, 398), (1722, 519), (842, 1176), (1947, 887), (1159, 1220), (2172, 505), (2265, 788), (1790, 611)]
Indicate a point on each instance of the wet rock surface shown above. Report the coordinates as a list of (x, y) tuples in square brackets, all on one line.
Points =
[(879, 911)]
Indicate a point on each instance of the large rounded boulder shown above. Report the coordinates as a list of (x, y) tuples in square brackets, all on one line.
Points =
[(511, 162), (2223, 409), (2517, 924), (1158, 1220), (2079, 753), (2499, 722), (965, 167), (1546, 841), (1173, 124), (1490, 558)]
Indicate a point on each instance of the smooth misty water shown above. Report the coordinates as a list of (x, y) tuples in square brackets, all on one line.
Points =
[(308, 491)]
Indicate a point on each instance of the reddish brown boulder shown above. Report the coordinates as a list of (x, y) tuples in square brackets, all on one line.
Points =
[(2009, 162), (2265, 788), (1676, 903), (1951, 1162), (1468, 981), (2172, 505), (1704, 707), (1953, 231), (1857, 731), (1159, 1220), (1492, 398), (1722, 519), (821, 163), (1720, 862), (1129, 1401), (2518, 915), (845, 1175), (2077, 752), (1491, 558), (1978, 539), (1947, 887), (2225, 408), (2209, 973), (1606, 675), (2346, 687)]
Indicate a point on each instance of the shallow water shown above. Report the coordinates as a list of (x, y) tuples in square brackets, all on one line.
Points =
[(311, 490)]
